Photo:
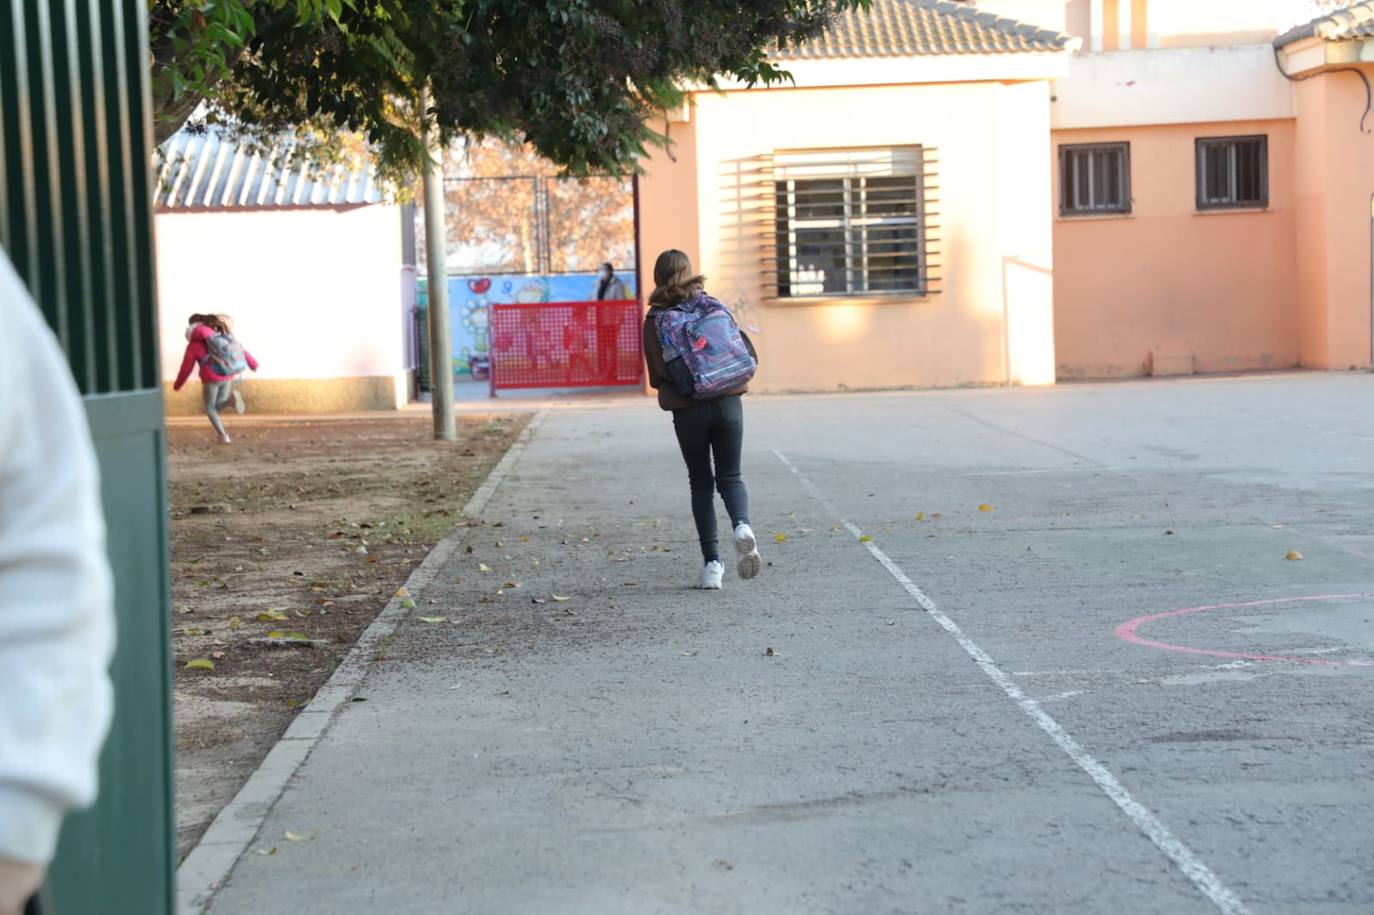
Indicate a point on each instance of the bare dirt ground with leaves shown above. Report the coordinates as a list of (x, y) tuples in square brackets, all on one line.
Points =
[(285, 546)]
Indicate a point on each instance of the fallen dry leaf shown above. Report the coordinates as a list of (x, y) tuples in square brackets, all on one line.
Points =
[(483, 567), (267, 851), (985, 507), (296, 837), (1293, 555), (780, 537), (920, 516), (200, 664), (561, 600), (432, 619), (272, 616), (864, 538)]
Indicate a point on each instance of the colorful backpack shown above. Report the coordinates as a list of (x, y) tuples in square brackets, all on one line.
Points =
[(225, 356), (704, 349)]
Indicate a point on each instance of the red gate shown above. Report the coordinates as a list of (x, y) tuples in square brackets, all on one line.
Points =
[(565, 345)]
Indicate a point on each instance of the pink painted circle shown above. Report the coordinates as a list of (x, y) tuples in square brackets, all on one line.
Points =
[(1129, 631)]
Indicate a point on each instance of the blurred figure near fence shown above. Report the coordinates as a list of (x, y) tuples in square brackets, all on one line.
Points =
[(56, 603), (609, 288)]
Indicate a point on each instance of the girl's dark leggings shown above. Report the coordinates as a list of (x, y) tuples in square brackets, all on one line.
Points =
[(713, 427)]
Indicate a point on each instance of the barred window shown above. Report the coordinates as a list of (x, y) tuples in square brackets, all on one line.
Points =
[(1232, 172), (850, 223), (1094, 178)]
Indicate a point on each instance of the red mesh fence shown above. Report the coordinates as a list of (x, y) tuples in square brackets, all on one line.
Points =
[(565, 345)]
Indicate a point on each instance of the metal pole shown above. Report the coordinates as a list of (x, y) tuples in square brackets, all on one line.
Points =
[(640, 294), (436, 246)]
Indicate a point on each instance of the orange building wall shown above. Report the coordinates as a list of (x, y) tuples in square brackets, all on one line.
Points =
[(1311, 176), (668, 201), (1167, 285), (1336, 175), (992, 323)]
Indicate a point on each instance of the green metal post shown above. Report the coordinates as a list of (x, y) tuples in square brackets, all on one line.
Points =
[(76, 220)]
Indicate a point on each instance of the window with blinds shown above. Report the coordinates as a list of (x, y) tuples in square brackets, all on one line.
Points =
[(850, 223), (1232, 172), (1094, 179)]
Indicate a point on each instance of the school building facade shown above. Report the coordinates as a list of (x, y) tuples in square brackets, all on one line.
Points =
[(1025, 191)]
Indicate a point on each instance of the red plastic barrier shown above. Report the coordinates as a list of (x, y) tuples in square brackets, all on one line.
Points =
[(566, 345)]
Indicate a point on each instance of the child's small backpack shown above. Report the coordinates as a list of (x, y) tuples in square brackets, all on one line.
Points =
[(226, 356), (704, 350)]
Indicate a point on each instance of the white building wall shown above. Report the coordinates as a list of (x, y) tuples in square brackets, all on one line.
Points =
[(1172, 86), (313, 294)]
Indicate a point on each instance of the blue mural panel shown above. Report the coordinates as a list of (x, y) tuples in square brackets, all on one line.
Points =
[(469, 296)]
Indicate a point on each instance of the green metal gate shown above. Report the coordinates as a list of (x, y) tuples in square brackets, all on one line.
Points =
[(76, 220)]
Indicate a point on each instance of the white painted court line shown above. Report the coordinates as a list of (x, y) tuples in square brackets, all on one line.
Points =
[(1149, 824)]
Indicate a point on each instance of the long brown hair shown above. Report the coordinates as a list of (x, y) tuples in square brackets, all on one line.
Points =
[(215, 323), (674, 281)]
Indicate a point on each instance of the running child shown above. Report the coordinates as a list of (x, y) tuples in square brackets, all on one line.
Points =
[(700, 363), (221, 359)]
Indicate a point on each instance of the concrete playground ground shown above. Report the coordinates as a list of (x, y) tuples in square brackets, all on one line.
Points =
[(1029, 650)]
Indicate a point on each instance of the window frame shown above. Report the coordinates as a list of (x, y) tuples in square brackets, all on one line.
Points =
[(1066, 155), (853, 224), (1200, 147)]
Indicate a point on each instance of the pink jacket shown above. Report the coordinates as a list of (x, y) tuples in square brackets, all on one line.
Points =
[(198, 352)]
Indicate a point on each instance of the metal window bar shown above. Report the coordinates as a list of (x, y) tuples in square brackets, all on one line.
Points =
[(1232, 172), (760, 202), (858, 212), (879, 252), (1095, 179)]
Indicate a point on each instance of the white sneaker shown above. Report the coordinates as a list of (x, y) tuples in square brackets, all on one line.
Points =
[(224, 439), (712, 574), (750, 562), (238, 403)]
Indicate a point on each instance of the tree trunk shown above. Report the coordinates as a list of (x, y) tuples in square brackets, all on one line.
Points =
[(436, 256)]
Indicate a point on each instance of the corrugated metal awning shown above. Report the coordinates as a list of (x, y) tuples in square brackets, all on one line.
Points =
[(201, 170)]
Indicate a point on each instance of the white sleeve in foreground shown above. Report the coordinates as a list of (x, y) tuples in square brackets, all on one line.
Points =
[(56, 614)]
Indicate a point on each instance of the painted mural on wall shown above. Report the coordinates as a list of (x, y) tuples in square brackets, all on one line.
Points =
[(470, 296)]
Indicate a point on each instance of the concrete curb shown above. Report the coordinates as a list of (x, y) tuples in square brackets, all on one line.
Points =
[(236, 827)]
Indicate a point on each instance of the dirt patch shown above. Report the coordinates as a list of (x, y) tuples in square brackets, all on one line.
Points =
[(285, 546)]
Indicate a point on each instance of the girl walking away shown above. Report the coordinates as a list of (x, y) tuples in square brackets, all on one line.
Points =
[(700, 362), (221, 358)]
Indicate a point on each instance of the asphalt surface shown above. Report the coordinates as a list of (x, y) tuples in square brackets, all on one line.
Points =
[(947, 715)]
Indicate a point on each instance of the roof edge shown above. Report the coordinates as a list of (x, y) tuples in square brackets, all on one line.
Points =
[(1331, 26)]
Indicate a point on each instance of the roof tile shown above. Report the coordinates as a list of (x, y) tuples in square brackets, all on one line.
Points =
[(911, 28), (1351, 23)]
